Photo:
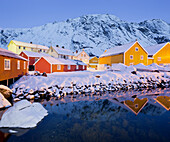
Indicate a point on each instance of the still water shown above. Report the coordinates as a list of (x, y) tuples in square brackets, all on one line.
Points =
[(101, 119)]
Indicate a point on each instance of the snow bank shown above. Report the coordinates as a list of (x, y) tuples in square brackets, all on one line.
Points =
[(23, 115), (4, 102)]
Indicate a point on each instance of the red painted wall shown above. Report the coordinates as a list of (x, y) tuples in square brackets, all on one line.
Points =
[(43, 66)]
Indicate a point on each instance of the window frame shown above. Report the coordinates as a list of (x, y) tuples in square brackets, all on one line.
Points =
[(77, 67), (58, 67), (9, 61), (131, 56), (141, 57), (18, 65), (137, 49), (159, 59), (24, 65)]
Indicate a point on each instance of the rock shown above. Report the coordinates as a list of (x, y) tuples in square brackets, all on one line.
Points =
[(4, 102), (44, 74), (5, 91)]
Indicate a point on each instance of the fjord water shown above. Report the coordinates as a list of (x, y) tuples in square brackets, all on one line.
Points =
[(100, 120)]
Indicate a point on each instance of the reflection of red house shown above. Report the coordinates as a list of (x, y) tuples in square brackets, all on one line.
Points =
[(50, 65), (32, 57)]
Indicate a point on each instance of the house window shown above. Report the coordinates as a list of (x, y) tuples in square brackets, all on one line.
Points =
[(131, 64), (81, 55), (40, 50), (131, 57), (83, 67), (141, 57), (84, 55), (58, 67), (24, 48), (31, 49), (77, 67), (51, 50), (7, 64), (136, 49), (18, 65), (24, 65), (69, 67), (159, 58), (19, 47), (44, 50)]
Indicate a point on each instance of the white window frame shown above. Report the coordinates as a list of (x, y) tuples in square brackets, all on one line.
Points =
[(159, 58), (83, 67), (141, 57), (58, 67), (9, 64), (136, 49), (18, 65), (131, 57), (77, 67), (24, 65), (69, 67)]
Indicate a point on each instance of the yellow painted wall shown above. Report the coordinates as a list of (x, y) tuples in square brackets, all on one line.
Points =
[(150, 61), (109, 60), (164, 54), (52, 53), (94, 60), (12, 47), (136, 55)]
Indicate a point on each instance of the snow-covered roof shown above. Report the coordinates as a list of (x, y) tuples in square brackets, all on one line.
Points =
[(34, 54), (57, 61), (155, 48), (76, 54), (78, 62), (7, 53), (25, 44), (118, 49), (63, 51)]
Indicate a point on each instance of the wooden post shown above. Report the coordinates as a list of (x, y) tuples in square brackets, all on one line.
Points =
[(7, 82), (13, 80)]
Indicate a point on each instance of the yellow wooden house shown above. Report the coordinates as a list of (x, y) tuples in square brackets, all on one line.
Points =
[(159, 53), (18, 46), (129, 54), (93, 62)]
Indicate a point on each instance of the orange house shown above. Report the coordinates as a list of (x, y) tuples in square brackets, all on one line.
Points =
[(50, 65), (11, 66)]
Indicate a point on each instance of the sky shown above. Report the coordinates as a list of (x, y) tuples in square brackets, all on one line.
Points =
[(31, 13)]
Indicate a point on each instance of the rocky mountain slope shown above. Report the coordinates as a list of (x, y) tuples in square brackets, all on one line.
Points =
[(94, 33)]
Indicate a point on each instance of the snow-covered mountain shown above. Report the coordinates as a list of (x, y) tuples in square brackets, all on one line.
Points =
[(94, 33)]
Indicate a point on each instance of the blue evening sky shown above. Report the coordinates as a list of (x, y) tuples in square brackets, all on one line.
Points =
[(30, 13)]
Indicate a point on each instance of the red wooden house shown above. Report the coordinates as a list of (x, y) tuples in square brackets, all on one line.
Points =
[(11, 66), (50, 65), (32, 57)]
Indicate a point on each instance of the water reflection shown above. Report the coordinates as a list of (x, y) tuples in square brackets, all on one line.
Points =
[(101, 117)]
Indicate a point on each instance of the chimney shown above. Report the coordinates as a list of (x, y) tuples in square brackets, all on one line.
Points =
[(83, 49), (76, 51), (57, 45), (136, 39), (105, 51), (30, 42), (63, 47)]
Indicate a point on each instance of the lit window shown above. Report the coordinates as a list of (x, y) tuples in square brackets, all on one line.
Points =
[(131, 57), (81, 55), (24, 65), (141, 57), (136, 49), (58, 67), (18, 65), (24, 48), (6, 64), (77, 67), (84, 55), (69, 67), (159, 58)]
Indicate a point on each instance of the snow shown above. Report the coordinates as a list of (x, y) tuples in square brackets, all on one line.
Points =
[(23, 115), (25, 44), (155, 48), (63, 51), (4, 102), (35, 54), (117, 49)]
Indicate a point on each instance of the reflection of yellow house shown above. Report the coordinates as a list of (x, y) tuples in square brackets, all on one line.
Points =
[(164, 101), (93, 62), (137, 105), (159, 53), (18, 46), (82, 56), (129, 54)]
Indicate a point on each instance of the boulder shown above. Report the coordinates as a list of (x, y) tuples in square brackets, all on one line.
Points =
[(4, 102), (5, 91)]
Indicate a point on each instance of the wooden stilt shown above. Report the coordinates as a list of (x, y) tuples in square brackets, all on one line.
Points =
[(7, 82)]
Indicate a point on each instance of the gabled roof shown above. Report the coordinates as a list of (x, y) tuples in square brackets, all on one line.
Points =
[(34, 54), (78, 62), (155, 48), (76, 54), (25, 44), (57, 61), (118, 49), (63, 51), (7, 53)]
